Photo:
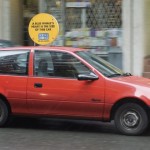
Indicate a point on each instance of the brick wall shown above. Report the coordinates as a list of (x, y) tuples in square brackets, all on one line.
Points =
[(146, 71)]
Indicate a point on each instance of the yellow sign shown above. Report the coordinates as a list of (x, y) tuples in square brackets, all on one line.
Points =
[(43, 29)]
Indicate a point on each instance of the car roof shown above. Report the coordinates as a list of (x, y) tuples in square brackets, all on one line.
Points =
[(70, 49)]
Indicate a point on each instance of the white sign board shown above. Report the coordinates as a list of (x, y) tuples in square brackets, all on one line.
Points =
[(78, 4)]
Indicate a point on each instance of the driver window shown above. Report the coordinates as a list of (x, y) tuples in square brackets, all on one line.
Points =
[(58, 64), (43, 65), (66, 65)]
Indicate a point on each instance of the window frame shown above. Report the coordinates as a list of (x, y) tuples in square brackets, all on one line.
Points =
[(57, 51)]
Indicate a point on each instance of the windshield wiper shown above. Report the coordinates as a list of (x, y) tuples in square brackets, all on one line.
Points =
[(127, 74), (115, 75), (118, 74)]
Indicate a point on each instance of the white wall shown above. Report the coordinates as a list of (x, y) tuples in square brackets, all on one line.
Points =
[(11, 20), (133, 36), (5, 19)]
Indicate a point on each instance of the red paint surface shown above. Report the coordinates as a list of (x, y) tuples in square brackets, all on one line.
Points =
[(70, 97)]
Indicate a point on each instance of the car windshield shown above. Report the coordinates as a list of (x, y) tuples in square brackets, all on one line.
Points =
[(101, 65)]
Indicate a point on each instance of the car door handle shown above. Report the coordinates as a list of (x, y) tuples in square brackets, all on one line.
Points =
[(38, 85)]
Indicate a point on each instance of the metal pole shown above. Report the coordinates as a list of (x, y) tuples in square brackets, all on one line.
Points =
[(63, 6)]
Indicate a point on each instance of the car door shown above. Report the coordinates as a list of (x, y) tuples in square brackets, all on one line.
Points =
[(58, 91), (13, 78)]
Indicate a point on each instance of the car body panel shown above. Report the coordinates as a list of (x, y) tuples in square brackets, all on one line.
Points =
[(65, 97), (122, 87), (14, 89), (69, 97)]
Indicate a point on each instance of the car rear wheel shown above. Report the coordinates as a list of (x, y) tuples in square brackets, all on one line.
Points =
[(131, 119), (4, 113)]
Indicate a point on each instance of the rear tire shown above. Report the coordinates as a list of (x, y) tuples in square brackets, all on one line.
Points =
[(4, 113), (131, 119)]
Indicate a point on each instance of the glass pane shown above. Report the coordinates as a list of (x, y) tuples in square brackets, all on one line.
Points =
[(14, 62), (43, 65), (66, 65)]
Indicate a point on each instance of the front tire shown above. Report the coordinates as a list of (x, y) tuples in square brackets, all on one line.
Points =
[(131, 119), (4, 113)]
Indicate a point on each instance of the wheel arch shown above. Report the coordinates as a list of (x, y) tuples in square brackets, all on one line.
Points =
[(128, 100)]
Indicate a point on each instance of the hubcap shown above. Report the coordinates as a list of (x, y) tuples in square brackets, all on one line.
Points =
[(130, 119)]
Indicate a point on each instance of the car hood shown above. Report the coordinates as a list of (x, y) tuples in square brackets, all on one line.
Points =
[(134, 80)]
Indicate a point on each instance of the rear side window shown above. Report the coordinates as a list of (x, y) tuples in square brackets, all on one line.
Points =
[(14, 62)]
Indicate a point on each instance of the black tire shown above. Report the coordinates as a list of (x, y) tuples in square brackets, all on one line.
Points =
[(131, 119), (4, 113)]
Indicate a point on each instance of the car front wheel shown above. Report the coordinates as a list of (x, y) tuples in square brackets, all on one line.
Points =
[(131, 119)]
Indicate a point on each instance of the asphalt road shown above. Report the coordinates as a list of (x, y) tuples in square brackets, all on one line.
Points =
[(52, 134)]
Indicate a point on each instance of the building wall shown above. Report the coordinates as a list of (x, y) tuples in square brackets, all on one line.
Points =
[(16, 24), (133, 36), (136, 39), (11, 20), (136, 31), (5, 19), (146, 70), (147, 27)]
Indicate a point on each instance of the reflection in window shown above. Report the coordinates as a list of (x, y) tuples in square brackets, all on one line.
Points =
[(14, 62), (43, 65), (58, 64), (66, 65)]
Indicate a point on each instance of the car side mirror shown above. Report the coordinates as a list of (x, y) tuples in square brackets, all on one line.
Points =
[(87, 77)]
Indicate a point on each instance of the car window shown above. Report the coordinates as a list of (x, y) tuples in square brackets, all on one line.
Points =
[(101, 65), (58, 64), (43, 65), (14, 62)]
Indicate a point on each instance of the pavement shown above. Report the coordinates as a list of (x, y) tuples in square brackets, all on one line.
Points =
[(54, 134)]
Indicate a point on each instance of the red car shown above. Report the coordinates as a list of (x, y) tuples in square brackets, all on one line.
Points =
[(71, 83)]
